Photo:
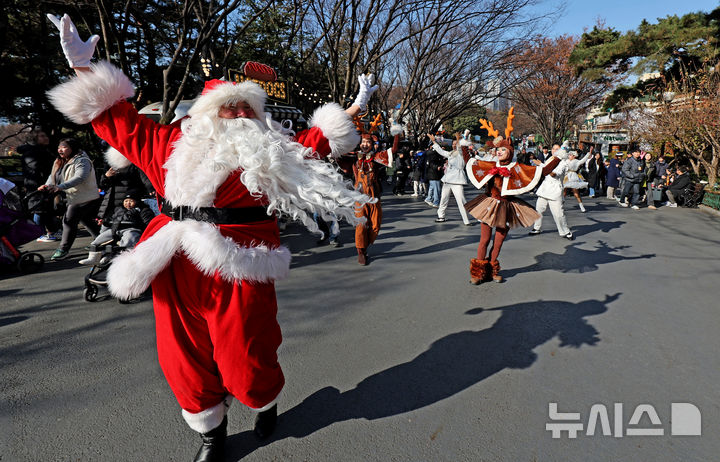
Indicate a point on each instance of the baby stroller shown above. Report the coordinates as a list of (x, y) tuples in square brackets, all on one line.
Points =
[(97, 277), (117, 239), (16, 229)]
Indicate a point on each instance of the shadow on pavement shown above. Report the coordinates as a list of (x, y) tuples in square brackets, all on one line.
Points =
[(576, 260), (12, 320), (449, 366), (596, 225)]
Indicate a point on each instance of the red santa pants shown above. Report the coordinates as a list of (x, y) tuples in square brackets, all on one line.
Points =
[(216, 337)]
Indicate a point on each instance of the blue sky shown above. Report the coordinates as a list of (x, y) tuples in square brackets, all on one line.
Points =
[(622, 15)]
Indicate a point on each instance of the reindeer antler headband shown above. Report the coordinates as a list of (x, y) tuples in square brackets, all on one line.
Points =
[(493, 132), (373, 127)]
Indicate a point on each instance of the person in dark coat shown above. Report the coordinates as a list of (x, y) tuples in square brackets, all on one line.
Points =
[(419, 164), (403, 167), (634, 173), (126, 226), (118, 180), (613, 177), (433, 173), (596, 174), (37, 161), (681, 181)]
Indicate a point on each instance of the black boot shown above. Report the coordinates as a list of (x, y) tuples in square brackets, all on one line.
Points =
[(213, 444), (265, 422)]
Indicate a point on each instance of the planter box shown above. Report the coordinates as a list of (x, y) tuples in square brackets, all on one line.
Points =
[(712, 199)]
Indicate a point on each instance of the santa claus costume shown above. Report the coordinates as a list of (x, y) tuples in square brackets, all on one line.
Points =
[(214, 252), (499, 207)]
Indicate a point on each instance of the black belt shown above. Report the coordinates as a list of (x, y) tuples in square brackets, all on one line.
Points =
[(216, 215)]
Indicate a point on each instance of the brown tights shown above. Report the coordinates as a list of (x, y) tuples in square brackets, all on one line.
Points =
[(485, 234)]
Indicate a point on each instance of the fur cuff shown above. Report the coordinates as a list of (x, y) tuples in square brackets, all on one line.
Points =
[(206, 420), (115, 159), (396, 129), (89, 94), (465, 142), (561, 154), (337, 127)]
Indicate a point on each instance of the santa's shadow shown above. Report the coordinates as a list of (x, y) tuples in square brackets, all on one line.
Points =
[(576, 260), (449, 366)]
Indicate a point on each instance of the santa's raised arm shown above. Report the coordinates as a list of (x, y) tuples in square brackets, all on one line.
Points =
[(213, 253)]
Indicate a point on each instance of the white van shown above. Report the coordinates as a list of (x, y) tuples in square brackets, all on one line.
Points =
[(277, 112), (154, 110)]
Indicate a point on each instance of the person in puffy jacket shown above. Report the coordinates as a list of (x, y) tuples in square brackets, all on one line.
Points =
[(126, 226), (73, 174), (634, 172)]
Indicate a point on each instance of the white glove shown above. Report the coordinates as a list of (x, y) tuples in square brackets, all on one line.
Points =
[(77, 52), (366, 90)]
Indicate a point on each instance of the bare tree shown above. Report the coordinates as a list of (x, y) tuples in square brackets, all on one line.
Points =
[(550, 91), (449, 54)]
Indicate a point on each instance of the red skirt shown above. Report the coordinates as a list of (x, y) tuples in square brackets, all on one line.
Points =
[(509, 212)]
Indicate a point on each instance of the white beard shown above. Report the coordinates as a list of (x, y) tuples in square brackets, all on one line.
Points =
[(274, 167)]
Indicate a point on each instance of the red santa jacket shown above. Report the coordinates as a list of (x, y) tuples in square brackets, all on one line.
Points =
[(237, 251)]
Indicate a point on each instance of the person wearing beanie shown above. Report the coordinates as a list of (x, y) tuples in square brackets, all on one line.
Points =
[(214, 252), (125, 226), (498, 207)]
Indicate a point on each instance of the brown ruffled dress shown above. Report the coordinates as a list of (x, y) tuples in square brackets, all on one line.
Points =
[(499, 211)]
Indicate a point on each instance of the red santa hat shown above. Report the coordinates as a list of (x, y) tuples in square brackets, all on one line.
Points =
[(220, 92)]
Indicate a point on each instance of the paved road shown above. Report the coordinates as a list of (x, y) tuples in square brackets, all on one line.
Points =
[(403, 360)]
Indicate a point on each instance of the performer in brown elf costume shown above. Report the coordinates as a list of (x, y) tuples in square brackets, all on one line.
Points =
[(366, 171), (499, 207)]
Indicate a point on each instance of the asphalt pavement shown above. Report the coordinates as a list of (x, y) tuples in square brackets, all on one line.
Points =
[(404, 360)]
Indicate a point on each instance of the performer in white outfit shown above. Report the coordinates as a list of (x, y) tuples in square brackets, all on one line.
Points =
[(572, 179), (454, 179), (549, 194)]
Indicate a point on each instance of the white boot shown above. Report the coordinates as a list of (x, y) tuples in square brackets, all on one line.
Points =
[(92, 259), (582, 207)]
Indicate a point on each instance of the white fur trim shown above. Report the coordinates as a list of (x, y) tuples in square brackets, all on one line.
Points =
[(132, 272), (227, 93), (396, 129), (464, 142), (561, 154), (268, 405), (337, 127), (206, 420), (116, 159), (89, 94)]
